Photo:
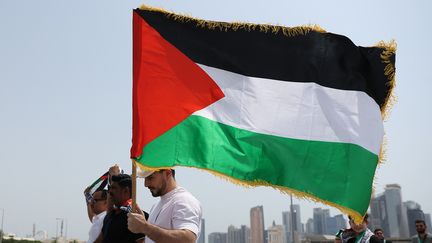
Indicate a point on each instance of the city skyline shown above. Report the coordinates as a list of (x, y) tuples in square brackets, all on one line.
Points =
[(286, 220), (325, 224)]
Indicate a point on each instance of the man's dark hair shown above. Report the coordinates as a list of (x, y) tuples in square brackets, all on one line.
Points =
[(123, 180), (378, 229), (419, 221)]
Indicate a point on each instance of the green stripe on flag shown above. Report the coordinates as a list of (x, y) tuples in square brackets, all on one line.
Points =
[(339, 173)]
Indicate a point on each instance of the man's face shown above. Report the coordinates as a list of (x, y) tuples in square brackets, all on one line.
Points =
[(117, 193), (358, 227), (157, 183), (98, 204), (379, 234), (420, 228)]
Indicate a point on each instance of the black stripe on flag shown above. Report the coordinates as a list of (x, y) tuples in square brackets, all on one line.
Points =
[(327, 59)]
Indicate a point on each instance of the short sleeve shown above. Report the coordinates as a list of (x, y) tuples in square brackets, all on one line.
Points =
[(187, 215)]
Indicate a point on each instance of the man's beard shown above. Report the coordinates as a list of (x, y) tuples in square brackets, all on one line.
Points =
[(158, 193), (421, 231)]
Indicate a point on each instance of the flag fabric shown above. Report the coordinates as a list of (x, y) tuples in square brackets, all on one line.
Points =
[(298, 109), (99, 184)]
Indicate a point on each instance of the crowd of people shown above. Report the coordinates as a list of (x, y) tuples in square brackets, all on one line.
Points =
[(360, 233), (175, 218)]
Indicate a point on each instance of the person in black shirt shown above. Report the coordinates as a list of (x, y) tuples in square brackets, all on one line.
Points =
[(115, 228)]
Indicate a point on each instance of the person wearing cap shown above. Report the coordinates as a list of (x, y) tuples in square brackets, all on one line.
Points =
[(115, 228), (175, 218)]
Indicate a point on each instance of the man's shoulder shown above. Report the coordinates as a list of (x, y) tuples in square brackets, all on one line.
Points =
[(185, 200), (184, 195), (99, 217)]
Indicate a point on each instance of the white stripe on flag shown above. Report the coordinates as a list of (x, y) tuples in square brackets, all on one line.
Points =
[(296, 110)]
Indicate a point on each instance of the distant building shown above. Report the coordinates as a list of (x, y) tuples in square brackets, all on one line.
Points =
[(334, 224), (388, 212), (257, 224), (287, 222), (201, 238), (320, 220), (309, 226), (217, 237), (276, 234), (246, 232), (414, 212), (428, 221), (236, 235)]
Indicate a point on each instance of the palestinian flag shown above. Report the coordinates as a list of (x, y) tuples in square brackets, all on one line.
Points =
[(99, 184), (297, 109)]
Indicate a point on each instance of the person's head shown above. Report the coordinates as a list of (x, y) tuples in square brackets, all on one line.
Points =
[(160, 182), (121, 189), (379, 233), (420, 226), (358, 227), (99, 201)]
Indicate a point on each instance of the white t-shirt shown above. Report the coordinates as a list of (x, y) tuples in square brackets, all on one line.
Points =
[(95, 229), (177, 209)]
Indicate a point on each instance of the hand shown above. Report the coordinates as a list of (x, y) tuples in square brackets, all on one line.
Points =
[(136, 220), (114, 170), (87, 195)]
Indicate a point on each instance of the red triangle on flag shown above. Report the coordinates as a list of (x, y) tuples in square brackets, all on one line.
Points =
[(167, 86)]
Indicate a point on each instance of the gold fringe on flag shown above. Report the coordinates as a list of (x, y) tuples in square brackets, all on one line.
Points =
[(389, 71), (249, 184), (224, 26)]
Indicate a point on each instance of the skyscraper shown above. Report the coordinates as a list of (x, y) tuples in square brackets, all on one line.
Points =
[(257, 224), (334, 224), (201, 238), (217, 237), (428, 220), (276, 234), (287, 219), (320, 220), (297, 218), (286, 222), (388, 212), (414, 213), (310, 226), (236, 235)]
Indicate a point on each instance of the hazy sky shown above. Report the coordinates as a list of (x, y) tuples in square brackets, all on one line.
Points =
[(65, 103)]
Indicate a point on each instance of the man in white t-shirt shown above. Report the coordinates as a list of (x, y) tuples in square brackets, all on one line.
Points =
[(175, 218), (96, 210)]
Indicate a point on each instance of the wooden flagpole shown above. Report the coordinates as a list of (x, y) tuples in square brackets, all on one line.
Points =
[(134, 179)]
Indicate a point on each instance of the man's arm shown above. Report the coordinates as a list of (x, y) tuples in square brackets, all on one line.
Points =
[(90, 212), (138, 224)]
